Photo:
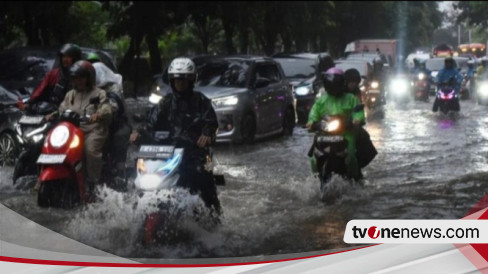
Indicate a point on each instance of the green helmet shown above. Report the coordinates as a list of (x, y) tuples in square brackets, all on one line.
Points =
[(93, 57)]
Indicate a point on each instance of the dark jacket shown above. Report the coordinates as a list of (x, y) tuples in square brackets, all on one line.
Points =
[(188, 116)]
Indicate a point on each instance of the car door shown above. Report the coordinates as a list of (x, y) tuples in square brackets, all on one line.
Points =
[(278, 90), (262, 97)]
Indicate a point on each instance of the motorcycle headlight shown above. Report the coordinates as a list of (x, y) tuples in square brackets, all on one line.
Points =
[(421, 76), (333, 125), (375, 84), (59, 137), (225, 101), (155, 98), (373, 99), (303, 90)]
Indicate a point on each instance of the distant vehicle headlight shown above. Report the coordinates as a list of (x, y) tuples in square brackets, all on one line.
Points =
[(421, 76), (303, 90), (225, 101), (399, 86), (155, 98), (483, 90), (375, 84)]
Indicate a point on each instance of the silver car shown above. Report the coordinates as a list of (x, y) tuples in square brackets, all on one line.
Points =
[(250, 95)]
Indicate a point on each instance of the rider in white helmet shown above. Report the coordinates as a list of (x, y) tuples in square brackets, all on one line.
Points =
[(177, 113)]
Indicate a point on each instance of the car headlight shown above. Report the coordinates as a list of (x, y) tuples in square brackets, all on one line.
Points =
[(226, 101), (303, 90), (59, 137), (421, 76), (399, 86), (375, 84), (155, 98)]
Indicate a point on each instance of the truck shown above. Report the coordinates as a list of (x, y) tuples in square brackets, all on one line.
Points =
[(388, 47)]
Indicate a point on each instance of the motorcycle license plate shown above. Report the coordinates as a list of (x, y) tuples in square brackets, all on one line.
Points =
[(374, 91), (51, 158), (156, 151), (330, 139), (30, 120)]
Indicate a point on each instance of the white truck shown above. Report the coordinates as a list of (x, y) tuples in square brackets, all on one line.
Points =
[(388, 47)]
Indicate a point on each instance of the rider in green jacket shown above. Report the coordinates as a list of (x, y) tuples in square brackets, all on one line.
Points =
[(339, 102)]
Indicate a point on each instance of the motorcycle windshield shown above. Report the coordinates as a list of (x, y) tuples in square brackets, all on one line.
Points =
[(158, 174)]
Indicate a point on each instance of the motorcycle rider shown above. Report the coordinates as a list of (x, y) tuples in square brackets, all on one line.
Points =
[(106, 78), (352, 79), (176, 113), (420, 67), (96, 131), (445, 75), (56, 83), (120, 129), (379, 74), (338, 102)]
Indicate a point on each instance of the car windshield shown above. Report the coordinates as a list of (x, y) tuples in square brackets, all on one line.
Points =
[(225, 73), (297, 67), (24, 67)]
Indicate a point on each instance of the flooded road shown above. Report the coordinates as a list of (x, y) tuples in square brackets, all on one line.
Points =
[(429, 166)]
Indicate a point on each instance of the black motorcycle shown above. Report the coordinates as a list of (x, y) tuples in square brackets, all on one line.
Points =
[(329, 150), (30, 131)]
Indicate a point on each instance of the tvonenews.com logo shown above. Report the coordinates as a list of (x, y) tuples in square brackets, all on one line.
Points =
[(417, 231)]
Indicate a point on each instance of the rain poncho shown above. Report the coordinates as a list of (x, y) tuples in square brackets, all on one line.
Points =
[(445, 75), (106, 77)]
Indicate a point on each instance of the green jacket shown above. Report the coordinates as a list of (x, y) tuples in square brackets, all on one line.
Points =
[(330, 105)]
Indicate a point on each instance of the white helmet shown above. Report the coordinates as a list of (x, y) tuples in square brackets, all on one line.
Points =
[(182, 68)]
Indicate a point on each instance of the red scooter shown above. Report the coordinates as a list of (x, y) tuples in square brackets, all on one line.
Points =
[(61, 178)]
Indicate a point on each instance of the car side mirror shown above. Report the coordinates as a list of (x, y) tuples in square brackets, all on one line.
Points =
[(262, 82)]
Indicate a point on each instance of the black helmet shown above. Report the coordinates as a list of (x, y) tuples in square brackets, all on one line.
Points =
[(334, 81), (352, 75), (449, 63), (71, 50), (84, 69)]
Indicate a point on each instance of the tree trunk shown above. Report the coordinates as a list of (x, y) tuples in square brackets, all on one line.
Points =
[(152, 44), (244, 40), (229, 34), (31, 28)]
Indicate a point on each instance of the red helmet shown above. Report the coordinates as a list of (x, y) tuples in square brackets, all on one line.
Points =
[(84, 69)]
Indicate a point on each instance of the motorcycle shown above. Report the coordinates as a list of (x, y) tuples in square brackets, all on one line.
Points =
[(159, 168), (329, 150), (30, 130), (62, 182), (446, 98), (421, 86), (373, 95)]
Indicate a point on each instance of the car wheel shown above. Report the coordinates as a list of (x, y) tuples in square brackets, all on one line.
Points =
[(248, 129), (289, 122), (8, 150)]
